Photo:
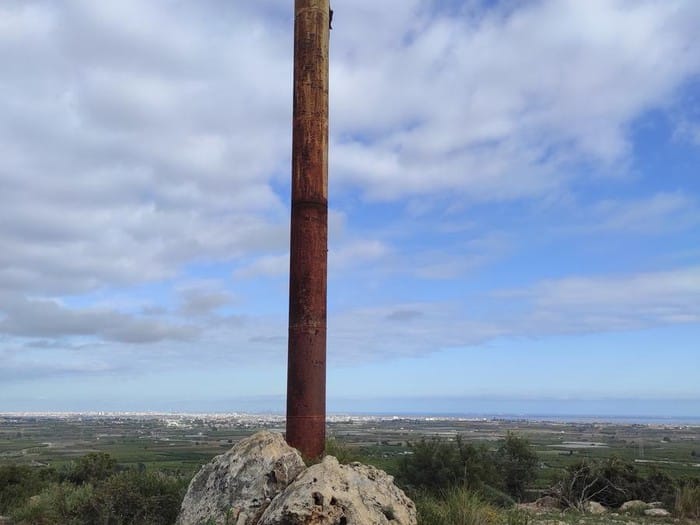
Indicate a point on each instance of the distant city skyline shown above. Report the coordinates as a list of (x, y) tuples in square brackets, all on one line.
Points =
[(514, 206), (624, 410)]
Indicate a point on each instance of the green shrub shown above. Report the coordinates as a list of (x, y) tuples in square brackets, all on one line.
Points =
[(611, 482), (433, 465), (129, 497), (139, 498), (456, 506), (91, 468), (340, 451), (658, 486), (501, 475), (516, 463), (19, 483), (436, 465), (59, 504)]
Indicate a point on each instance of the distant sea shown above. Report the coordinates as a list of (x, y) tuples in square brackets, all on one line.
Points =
[(558, 418), (610, 410)]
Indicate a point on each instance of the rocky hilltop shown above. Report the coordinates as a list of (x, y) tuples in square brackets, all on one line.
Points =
[(263, 481)]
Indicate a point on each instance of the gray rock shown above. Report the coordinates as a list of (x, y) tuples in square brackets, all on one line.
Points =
[(657, 513), (332, 494), (634, 505), (548, 503), (236, 487), (593, 507), (542, 505)]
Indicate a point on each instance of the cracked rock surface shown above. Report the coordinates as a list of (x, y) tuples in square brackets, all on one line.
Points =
[(236, 487), (332, 494), (263, 481)]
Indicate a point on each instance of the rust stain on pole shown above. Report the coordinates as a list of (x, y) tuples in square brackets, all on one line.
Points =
[(306, 370)]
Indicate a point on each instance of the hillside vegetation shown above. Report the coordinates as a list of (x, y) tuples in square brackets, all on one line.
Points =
[(453, 483)]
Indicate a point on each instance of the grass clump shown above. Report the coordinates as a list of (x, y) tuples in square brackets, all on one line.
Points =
[(456, 506), (341, 452), (688, 501), (92, 490)]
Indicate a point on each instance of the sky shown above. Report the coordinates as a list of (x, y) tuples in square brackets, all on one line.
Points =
[(514, 205)]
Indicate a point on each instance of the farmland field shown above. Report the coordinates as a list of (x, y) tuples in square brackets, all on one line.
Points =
[(181, 443)]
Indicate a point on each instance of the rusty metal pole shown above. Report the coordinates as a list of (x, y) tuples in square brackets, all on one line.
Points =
[(306, 369)]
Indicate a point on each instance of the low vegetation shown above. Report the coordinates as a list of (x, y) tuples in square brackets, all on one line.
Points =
[(612, 482), (688, 500), (456, 506), (500, 475), (452, 482), (93, 490)]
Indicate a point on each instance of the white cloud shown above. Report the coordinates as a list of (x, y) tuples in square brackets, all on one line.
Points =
[(689, 131), (203, 299), (502, 104), (659, 213), (357, 252), (139, 140), (266, 266), (50, 319), (598, 304), (341, 256)]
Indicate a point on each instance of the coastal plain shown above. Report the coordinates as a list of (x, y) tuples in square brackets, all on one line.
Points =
[(183, 442)]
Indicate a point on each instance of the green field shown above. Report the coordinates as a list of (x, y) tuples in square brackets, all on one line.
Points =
[(180, 444), (183, 443)]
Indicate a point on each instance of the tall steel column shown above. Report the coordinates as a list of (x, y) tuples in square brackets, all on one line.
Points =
[(306, 372)]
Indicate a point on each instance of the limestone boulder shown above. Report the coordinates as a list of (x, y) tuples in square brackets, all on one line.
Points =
[(542, 505), (635, 505), (236, 487), (548, 503), (332, 494), (593, 507), (657, 513)]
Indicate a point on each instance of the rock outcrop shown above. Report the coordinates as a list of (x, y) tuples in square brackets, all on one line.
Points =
[(236, 487), (542, 505), (657, 513), (593, 507), (263, 481), (332, 494), (633, 506)]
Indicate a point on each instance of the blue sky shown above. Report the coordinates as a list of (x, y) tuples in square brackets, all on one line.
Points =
[(514, 194)]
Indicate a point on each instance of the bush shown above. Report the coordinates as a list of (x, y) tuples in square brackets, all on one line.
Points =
[(611, 482), (139, 498), (91, 468), (516, 463), (432, 465), (658, 486), (58, 504), (499, 475), (19, 483), (93, 493), (456, 506), (586, 481)]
